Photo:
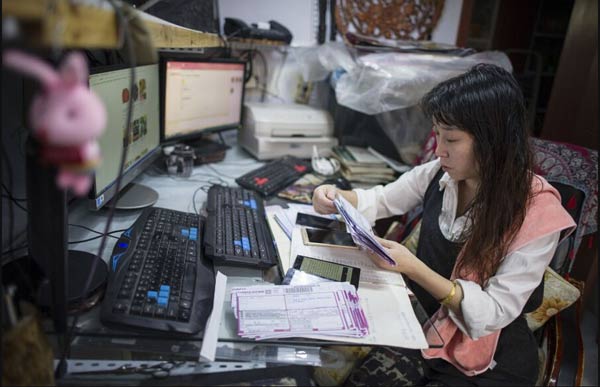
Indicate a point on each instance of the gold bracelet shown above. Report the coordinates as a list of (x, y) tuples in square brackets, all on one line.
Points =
[(450, 295)]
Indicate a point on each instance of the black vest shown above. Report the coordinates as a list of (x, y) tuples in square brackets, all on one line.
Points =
[(516, 354)]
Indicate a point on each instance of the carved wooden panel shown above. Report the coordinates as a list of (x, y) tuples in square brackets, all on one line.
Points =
[(389, 19)]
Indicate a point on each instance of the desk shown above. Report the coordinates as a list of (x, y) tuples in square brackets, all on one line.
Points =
[(95, 341)]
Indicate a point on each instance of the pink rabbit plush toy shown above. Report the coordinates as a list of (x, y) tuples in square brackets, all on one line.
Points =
[(66, 117)]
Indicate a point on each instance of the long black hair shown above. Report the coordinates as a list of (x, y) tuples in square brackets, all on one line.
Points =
[(487, 102)]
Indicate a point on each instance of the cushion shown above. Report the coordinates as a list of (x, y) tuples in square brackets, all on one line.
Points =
[(337, 373), (559, 294)]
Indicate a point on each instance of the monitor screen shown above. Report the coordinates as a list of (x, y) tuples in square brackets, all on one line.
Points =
[(200, 96), (113, 87)]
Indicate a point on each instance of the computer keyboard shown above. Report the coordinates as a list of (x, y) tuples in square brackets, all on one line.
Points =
[(158, 276), (236, 230), (275, 175)]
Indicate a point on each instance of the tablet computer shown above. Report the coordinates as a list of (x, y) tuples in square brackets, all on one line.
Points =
[(327, 238)]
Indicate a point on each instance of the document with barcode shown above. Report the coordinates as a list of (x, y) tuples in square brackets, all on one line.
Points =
[(319, 310)]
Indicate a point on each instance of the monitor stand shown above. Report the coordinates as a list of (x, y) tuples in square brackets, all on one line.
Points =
[(136, 196)]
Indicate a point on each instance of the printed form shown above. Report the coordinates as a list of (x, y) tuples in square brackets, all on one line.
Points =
[(323, 309)]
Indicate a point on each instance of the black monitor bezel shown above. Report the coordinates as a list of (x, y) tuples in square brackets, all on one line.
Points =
[(193, 57), (134, 170)]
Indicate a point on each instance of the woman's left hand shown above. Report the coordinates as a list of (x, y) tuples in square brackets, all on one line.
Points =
[(401, 255)]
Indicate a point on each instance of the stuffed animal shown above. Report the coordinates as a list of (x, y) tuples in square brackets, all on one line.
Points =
[(66, 117)]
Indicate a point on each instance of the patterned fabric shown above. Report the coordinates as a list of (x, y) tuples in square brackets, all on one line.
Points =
[(387, 366), (572, 165), (559, 294)]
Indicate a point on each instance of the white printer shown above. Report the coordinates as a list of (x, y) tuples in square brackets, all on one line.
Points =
[(272, 130)]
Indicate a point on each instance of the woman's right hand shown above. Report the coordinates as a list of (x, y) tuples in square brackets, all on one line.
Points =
[(323, 197)]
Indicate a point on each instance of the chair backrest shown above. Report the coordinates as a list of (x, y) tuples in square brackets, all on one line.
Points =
[(573, 170)]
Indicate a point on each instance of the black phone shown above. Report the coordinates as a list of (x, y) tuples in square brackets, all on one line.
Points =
[(329, 238), (330, 270), (319, 222)]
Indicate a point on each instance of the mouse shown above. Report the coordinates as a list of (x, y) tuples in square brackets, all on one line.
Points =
[(340, 182)]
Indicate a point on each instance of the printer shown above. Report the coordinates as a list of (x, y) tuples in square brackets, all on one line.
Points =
[(272, 130)]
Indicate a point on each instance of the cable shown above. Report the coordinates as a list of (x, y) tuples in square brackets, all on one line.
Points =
[(12, 197), (98, 237), (11, 212), (25, 245), (61, 367)]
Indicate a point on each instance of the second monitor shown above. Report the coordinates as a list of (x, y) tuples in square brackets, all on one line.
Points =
[(200, 96)]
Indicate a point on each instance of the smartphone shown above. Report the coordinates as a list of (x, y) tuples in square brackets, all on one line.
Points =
[(329, 238), (330, 270), (319, 222)]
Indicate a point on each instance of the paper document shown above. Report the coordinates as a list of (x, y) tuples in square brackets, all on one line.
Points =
[(360, 229), (211, 331), (392, 321), (277, 311)]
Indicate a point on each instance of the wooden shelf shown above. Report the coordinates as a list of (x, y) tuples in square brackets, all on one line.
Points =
[(86, 25), (242, 43)]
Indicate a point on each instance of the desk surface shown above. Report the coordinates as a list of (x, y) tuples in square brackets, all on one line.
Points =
[(184, 194)]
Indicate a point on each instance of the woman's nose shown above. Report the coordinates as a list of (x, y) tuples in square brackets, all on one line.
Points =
[(440, 151)]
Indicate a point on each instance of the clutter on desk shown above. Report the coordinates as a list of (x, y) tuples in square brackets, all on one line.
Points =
[(286, 217), (301, 190), (323, 165), (360, 165), (179, 160), (281, 311)]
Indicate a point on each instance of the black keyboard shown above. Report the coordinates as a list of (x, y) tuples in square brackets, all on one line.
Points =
[(236, 231), (158, 277), (275, 175)]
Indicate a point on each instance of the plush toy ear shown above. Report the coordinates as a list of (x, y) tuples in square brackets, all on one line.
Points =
[(74, 69), (31, 66)]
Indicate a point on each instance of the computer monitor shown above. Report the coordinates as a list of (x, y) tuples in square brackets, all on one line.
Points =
[(113, 87), (199, 96)]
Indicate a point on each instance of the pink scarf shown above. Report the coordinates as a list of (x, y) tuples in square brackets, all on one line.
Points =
[(545, 215)]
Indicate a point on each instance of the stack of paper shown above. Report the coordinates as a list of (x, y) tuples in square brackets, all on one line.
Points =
[(359, 165), (360, 229), (278, 311)]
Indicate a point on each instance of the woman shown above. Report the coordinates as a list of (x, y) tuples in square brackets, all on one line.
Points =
[(489, 229)]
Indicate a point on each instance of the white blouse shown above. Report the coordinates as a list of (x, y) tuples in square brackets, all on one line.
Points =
[(487, 309)]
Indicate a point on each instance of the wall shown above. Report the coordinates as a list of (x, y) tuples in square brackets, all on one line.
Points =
[(447, 28)]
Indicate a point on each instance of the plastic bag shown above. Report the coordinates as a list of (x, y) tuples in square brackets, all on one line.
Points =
[(384, 82)]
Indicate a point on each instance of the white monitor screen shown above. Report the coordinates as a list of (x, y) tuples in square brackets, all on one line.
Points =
[(114, 89), (201, 97)]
